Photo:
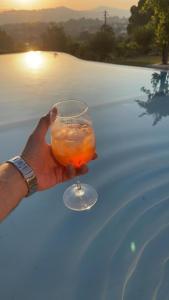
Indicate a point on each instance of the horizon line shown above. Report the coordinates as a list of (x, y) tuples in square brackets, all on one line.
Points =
[(62, 6)]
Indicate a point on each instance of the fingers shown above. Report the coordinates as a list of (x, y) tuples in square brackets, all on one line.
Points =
[(44, 123), (82, 171), (95, 156), (53, 114), (71, 172), (43, 126)]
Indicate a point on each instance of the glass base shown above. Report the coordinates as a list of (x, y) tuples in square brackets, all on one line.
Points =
[(80, 197)]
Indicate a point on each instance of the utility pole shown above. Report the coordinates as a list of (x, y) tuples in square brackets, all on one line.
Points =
[(105, 18)]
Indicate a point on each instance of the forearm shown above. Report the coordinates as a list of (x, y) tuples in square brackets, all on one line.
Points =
[(13, 189)]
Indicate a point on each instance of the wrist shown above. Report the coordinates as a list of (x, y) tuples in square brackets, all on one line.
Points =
[(12, 189), (12, 175), (26, 173)]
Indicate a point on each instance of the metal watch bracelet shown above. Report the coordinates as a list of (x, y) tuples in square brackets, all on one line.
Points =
[(27, 173)]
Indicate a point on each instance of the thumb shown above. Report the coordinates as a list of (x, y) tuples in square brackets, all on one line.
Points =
[(43, 126)]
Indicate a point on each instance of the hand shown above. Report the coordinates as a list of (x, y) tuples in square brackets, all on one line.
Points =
[(38, 155)]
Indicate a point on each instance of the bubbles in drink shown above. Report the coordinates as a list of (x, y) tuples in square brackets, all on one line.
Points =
[(73, 143)]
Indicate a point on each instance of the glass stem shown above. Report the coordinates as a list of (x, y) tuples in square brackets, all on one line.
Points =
[(78, 184)]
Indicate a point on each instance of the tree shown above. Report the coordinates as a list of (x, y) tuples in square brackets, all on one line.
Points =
[(144, 37), (6, 42), (139, 17), (157, 103), (156, 13), (103, 42), (160, 19), (55, 39), (140, 28)]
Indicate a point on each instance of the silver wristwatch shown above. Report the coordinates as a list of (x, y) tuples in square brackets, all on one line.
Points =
[(27, 173)]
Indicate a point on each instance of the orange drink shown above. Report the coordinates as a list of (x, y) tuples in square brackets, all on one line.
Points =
[(72, 143)]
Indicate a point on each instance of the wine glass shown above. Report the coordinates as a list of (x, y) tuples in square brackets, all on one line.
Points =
[(73, 143)]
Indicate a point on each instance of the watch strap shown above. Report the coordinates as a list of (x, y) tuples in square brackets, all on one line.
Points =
[(27, 173)]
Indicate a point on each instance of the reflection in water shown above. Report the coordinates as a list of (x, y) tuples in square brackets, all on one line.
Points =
[(33, 60), (157, 103)]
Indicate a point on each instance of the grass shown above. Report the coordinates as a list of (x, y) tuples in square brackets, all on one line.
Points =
[(141, 61)]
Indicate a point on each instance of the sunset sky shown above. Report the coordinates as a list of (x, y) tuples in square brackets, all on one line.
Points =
[(76, 4)]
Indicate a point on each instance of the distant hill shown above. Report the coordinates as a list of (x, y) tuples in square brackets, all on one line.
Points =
[(59, 14)]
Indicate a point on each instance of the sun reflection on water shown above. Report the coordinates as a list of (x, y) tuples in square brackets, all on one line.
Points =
[(34, 60)]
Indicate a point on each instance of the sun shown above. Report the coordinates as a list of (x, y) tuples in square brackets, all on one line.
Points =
[(24, 3), (33, 60)]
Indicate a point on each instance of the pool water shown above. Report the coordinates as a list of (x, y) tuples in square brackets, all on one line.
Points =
[(120, 248)]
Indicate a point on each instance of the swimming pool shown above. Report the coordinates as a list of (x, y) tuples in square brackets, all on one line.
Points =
[(120, 248)]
